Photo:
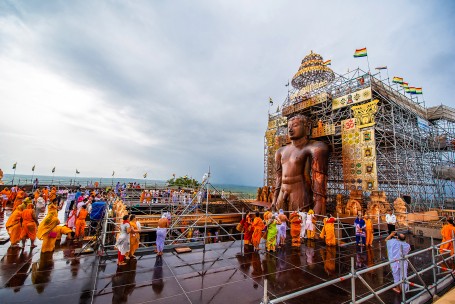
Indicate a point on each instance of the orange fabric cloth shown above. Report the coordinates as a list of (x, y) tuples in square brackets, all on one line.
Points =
[(13, 225), (369, 232), (53, 194), (29, 226), (257, 226), (134, 238), (296, 225), (45, 194), (49, 242), (446, 233), (141, 199), (80, 222), (47, 224), (5, 195), (37, 194), (18, 200)]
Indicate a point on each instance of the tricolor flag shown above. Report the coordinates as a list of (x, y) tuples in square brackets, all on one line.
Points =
[(397, 80), (407, 90), (328, 62), (419, 91), (405, 85), (113, 172), (360, 53), (381, 67), (14, 166), (33, 168), (77, 171), (53, 170), (145, 175), (412, 90)]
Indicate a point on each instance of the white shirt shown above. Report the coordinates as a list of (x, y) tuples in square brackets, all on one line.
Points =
[(391, 219)]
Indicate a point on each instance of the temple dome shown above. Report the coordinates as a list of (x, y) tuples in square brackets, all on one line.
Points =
[(311, 71)]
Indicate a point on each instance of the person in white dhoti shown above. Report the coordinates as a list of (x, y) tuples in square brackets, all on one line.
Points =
[(302, 215), (309, 225), (123, 241), (396, 247)]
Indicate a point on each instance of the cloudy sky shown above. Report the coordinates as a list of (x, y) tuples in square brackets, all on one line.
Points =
[(177, 86)]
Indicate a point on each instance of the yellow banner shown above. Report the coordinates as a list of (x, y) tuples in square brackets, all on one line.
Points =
[(350, 99)]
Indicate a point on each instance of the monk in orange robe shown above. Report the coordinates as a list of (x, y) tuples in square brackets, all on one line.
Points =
[(141, 199), (446, 233), (257, 226), (54, 234), (134, 235), (53, 194), (369, 229), (29, 225), (296, 225), (80, 222), (36, 195), (45, 193), (13, 226), (19, 197)]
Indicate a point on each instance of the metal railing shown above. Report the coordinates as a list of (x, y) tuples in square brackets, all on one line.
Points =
[(437, 268)]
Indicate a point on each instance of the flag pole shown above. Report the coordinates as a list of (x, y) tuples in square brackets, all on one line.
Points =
[(14, 174), (33, 174)]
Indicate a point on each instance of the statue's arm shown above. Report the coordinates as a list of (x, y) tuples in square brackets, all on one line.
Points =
[(278, 176), (319, 174)]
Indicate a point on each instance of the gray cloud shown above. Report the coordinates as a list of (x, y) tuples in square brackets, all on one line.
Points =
[(194, 77)]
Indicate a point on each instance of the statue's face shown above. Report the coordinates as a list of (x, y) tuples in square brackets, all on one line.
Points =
[(296, 128)]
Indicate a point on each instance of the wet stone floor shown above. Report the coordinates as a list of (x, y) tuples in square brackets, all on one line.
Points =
[(220, 273)]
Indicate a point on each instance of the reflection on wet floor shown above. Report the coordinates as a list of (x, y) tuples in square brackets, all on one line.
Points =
[(222, 273)]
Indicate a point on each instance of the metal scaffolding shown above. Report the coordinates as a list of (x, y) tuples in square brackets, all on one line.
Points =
[(413, 155)]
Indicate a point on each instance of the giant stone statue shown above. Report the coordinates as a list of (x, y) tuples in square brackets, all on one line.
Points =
[(301, 170)]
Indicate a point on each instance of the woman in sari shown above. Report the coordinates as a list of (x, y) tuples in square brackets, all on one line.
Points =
[(134, 235), (13, 226), (257, 227), (272, 231), (247, 230), (71, 222), (123, 241), (29, 225)]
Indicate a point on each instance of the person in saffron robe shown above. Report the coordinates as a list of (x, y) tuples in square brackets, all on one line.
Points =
[(257, 226), (272, 232), (71, 221), (359, 225), (29, 225), (329, 231), (53, 194), (369, 231), (161, 231), (123, 241), (19, 197), (80, 222), (296, 225), (309, 224), (447, 232), (36, 194), (142, 197), (45, 193), (281, 236), (247, 229), (134, 235), (13, 226)]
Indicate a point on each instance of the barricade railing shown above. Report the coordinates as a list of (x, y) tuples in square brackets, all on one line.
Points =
[(438, 268)]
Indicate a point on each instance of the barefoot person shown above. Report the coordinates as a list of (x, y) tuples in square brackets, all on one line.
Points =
[(163, 224), (134, 235), (29, 225), (123, 241), (396, 247), (13, 226)]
